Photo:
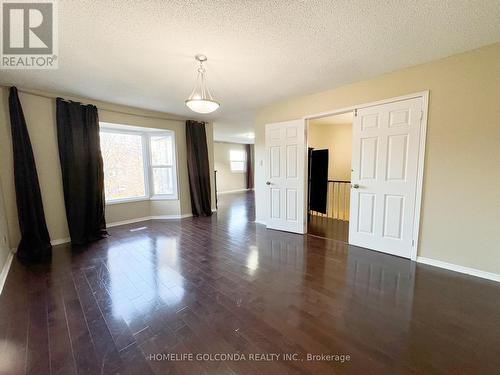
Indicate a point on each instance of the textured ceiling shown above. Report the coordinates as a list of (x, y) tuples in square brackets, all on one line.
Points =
[(140, 53)]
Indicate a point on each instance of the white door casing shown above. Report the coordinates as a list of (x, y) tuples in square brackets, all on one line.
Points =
[(385, 164), (285, 176)]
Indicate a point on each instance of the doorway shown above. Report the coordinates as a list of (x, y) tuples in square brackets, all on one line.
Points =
[(329, 176), (388, 149)]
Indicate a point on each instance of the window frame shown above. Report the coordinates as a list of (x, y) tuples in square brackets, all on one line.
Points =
[(153, 195), (146, 135), (244, 161)]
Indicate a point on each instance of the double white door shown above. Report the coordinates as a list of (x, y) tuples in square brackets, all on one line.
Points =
[(385, 164)]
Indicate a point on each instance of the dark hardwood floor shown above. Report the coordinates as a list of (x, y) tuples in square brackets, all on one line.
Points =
[(327, 227), (227, 285)]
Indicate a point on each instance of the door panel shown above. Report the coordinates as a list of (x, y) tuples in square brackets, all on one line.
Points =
[(366, 214), (397, 155), (368, 158), (393, 214), (369, 121), (291, 161), (399, 118), (285, 172), (275, 203), (291, 204), (386, 141), (274, 161)]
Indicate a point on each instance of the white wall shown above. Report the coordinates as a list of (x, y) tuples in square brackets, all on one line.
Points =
[(227, 180)]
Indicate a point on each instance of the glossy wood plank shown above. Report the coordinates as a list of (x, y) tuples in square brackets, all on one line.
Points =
[(227, 285), (327, 227)]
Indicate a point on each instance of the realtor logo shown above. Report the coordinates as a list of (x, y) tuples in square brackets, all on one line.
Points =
[(29, 34)]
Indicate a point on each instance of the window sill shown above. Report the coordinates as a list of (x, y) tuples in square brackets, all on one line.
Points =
[(164, 198), (126, 200)]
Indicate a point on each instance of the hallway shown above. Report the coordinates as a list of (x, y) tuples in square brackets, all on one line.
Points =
[(224, 284), (328, 227)]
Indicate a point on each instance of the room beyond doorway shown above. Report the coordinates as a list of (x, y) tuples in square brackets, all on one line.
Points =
[(329, 165)]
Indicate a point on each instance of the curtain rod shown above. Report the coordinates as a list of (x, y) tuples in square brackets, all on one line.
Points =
[(29, 92)]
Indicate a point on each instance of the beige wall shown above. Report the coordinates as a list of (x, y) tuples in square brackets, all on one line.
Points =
[(337, 138), (227, 180), (461, 205), (39, 112), (4, 234)]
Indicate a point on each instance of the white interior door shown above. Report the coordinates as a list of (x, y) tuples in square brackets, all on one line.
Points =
[(385, 159), (285, 184)]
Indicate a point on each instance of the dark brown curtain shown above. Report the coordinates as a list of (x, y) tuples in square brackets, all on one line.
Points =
[(82, 170), (250, 162), (35, 239), (198, 168)]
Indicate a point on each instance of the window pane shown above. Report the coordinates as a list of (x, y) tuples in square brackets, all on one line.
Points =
[(163, 180), (236, 155), (161, 150), (238, 166), (123, 165)]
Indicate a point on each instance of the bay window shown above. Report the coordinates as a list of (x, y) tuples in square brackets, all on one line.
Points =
[(138, 163)]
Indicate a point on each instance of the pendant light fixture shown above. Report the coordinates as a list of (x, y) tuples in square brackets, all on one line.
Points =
[(201, 100)]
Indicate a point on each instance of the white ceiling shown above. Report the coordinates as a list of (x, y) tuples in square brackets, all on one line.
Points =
[(140, 53)]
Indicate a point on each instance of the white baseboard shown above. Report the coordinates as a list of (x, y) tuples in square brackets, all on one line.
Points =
[(146, 218), (124, 222), (130, 221), (6, 268), (170, 217), (461, 269), (260, 222), (232, 191)]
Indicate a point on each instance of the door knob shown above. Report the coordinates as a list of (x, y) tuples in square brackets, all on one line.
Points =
[(355, 186), (268, 182)]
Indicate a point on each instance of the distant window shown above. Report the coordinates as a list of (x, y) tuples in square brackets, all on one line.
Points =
[(237, 160), (138, 164)]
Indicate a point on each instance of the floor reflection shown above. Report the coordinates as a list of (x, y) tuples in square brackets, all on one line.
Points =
[(327, 227), (142, 272), (236, 209), (386, 275), (253, 259), (226, 284)]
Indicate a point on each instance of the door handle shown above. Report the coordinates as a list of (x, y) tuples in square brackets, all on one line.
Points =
[(355, 186), (268, 183)]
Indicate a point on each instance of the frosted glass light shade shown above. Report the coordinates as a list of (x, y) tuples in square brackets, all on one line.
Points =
[(201, 100), (202, 105)]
